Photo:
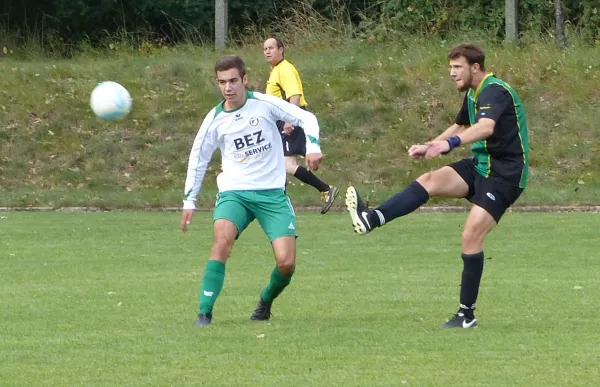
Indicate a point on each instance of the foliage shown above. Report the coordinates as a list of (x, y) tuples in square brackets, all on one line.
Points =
[(57, 23), (444, 17), (61, 26)]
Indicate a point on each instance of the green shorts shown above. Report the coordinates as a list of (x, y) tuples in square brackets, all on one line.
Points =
[(272, 208)]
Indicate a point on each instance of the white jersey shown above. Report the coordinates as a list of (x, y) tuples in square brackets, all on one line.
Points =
[(250, 144)]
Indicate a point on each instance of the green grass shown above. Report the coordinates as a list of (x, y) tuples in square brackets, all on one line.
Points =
[(110, 299), (373, 100)]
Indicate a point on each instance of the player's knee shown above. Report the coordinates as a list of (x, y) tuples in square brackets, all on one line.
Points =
[(472, 237), (286, 265), (291, 165), (427, 181), (221, 248)]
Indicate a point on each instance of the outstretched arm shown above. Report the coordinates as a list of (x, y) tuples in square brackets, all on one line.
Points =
[(453, 130), (419, 150), (287, 112), (482, 129), (205, 144), (461, 123), (492, 103)]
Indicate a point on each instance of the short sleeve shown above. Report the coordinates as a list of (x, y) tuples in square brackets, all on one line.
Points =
[(493, 102), (290, 81)]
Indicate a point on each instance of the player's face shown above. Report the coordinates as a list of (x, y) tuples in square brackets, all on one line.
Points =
[(462, 73), (272, 53), (233, 87)]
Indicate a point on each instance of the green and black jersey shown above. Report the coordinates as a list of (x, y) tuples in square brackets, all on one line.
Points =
[(504, 155)]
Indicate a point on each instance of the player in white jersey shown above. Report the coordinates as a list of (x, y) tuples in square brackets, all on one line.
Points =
[(252, 183)]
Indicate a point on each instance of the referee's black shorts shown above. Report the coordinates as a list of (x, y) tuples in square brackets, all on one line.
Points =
[(492, 195), (294, 144)]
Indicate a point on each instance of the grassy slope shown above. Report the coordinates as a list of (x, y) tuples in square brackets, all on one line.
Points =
[(373, 99)]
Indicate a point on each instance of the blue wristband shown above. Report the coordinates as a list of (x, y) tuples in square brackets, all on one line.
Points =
[(453, 141)]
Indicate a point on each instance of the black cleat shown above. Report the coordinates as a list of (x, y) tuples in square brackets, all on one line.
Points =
[(359, 212), (262, 311), (459, 320), (203, 319), (327, 198)]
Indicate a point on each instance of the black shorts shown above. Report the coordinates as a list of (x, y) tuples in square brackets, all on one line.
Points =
[(294, 144), (493, 196)]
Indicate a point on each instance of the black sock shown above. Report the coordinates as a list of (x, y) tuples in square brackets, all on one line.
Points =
[(306, 176), (469, 287), (403, 203)]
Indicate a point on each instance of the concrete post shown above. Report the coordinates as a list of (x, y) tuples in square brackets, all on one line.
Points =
[(511, 17), (221, 24)]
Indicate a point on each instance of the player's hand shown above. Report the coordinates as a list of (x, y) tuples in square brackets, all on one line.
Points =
[(417, 151), (186, 218), (436, 148), (288, 128), (313, 160)]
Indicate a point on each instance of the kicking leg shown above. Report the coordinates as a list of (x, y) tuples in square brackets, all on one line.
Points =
[(444, 182)]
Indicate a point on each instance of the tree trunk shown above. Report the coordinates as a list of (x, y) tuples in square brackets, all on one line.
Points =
[(511, 20), (561, 39), (221, 24)]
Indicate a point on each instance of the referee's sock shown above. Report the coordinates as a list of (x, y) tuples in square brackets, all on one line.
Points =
[(307, 177), (403, 203), (469, 286)]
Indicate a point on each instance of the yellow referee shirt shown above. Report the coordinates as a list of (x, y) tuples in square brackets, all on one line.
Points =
[(284, 82)]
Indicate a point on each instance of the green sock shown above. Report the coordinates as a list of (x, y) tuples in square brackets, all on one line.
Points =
[(276, 285), (212, 283)]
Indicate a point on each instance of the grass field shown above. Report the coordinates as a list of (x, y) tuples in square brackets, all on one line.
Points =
[(110, 299)]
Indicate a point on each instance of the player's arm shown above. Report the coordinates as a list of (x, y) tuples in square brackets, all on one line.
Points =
[(482, 129), (492, 103), (461, 123), (287, 112), (204, 146), (453, 130)]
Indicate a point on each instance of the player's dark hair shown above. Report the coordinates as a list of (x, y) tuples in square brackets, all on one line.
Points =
[(471, 52), (229, 62)]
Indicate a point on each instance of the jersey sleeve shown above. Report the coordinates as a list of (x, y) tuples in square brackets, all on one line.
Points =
[(290, 81), (493, 102), (205, 144), (463, 115), (284, 111)]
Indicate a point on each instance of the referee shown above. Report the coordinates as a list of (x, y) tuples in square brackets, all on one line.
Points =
[(284, 82)]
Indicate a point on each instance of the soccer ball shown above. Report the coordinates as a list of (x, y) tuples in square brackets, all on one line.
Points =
[(110, 101)]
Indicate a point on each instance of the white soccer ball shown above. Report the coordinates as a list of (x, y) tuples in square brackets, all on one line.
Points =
[(110, 101)]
